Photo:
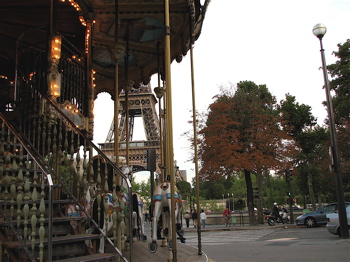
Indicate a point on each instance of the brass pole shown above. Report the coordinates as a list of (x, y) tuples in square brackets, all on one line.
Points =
[(116, 93), (116, 114), (170, 155), (160, 92), (127, 88), (195, 147)]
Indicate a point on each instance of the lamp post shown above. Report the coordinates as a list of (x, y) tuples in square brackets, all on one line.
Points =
[(319, 31)]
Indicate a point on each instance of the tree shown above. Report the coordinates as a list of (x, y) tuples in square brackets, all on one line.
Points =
[(340, 84), (184, 188), (144, 190), (298, 120), (243, 134)]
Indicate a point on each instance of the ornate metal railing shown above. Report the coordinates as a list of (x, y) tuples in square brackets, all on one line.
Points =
[(46, 146)]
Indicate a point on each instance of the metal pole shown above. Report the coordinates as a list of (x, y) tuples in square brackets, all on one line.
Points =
[(344, 233), (50, 220), (170, 147), (194, 120), (116, 92)]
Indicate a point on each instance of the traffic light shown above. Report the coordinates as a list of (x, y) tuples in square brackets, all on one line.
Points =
[(289, 175), (255, 192)]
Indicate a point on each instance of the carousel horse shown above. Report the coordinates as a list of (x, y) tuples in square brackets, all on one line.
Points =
[(98, 214), (162, 205), (138, 219)]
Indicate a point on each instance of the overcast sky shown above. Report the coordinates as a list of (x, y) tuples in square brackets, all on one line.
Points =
[(268, 42)]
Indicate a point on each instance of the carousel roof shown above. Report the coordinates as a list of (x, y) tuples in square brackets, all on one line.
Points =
[(140, 31)]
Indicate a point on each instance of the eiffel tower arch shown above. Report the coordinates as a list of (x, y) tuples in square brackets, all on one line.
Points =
[(141, 104)]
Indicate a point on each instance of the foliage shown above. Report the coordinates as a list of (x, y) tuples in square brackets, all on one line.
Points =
[(144, 190), (242, 132), (184, 188), (340, 84)]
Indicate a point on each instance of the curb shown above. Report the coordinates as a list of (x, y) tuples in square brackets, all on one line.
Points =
[(238, 228)]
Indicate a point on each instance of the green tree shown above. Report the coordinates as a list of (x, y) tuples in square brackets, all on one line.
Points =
[(184, 188), (340, 84), (298, 120), (144, 190)]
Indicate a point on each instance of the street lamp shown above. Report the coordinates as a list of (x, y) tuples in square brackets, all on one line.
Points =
[(319, 31)]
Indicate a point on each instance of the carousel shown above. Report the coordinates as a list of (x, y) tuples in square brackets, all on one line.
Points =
[(62, 198)]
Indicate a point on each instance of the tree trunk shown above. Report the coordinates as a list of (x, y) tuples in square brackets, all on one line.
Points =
[(250, 203), (311, 190), (260, 202)]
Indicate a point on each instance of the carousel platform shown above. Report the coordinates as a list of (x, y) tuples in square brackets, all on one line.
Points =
[(184, 253)]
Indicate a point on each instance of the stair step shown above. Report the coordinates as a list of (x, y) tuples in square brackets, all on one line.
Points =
[(57, 220), (94, 257), (55, 240)]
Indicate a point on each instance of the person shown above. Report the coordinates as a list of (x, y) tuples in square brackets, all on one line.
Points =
[(203, 218), (276, 212), (147, 220), (227, 216), (187, 217), (195, 218)]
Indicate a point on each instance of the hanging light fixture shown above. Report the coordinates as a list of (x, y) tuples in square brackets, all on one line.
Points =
[(56, 41), (54, 77)]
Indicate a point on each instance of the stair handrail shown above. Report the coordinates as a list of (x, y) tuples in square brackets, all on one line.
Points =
[(115, 168), (47, 171), (35, 155)]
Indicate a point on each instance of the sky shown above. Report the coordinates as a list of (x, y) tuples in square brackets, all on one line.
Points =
[(268, 42)]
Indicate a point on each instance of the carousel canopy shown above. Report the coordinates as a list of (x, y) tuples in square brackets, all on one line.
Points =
[(138, 25)]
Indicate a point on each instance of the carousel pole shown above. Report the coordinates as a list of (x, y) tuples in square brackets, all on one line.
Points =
[(116, 93), (170, 155)]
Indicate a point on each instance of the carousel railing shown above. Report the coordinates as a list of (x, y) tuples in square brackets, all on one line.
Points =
[(59, 132), (58, 157), (15, 181), (102, 182)]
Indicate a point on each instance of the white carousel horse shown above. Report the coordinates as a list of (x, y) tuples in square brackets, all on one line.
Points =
[(98, 214), (162, 205)]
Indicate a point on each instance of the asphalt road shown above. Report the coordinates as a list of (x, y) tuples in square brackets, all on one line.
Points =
[(271, 244)]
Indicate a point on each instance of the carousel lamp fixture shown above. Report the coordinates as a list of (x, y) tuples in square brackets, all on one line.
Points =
[(56, 41), (54, 77)]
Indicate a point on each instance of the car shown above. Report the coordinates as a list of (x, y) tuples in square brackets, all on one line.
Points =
[(333, 222), (317, 217), (294, 208)]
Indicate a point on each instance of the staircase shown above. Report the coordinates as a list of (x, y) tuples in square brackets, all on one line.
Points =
[(36, 192)]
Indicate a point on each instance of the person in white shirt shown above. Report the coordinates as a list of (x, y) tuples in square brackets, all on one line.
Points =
[(203, 217)]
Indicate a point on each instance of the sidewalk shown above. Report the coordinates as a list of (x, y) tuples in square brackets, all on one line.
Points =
[(233, 227)]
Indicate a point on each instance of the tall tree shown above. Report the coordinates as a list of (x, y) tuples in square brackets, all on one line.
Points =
[(243, 134), (298, 120), (340, 84)]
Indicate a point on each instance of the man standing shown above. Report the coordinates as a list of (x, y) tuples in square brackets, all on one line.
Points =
[(227, 216), (187, 217), (195, 218), (203, 218)]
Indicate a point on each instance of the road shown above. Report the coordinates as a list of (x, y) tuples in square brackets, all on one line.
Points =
[(272, 244)]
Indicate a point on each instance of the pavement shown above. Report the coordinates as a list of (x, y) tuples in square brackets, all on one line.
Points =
[(233, 227), (282, 242)]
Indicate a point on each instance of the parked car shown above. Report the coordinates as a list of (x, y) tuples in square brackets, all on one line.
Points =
[(294, 208), (317, 217), (333, 222)]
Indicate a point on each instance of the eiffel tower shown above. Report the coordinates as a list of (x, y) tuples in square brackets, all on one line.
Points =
[(141, 104)]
